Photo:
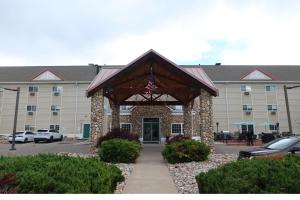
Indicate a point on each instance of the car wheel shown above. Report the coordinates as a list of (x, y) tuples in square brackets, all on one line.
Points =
[(51, 139), (36, 141), (10, 142), (61, 138), (26, 140)]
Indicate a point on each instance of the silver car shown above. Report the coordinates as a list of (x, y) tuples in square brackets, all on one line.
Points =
[(22, 136)]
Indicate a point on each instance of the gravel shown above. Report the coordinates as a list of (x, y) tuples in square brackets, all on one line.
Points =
[(183, 174), (124, 167)]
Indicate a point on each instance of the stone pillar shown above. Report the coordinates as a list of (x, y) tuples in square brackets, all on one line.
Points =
[(187, 119), (206, 119), (97, 118), (115, 114)]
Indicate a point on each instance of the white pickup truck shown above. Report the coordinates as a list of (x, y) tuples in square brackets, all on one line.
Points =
[(48, 135)]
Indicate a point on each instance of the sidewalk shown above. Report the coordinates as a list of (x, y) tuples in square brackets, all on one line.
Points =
[(150, 174)]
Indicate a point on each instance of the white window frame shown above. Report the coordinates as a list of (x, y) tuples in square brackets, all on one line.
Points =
[(181, 131), (273, 107), (31, 108), (248, 107), (130, 126), (272, 88), (28, 127), (57, 108), (57, 89), (54, 127), (35, 88)]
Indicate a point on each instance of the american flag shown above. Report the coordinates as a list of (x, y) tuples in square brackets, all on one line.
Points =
[(149, 87)]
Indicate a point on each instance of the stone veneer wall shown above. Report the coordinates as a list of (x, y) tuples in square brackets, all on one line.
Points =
[(97, 118), (161, 112), (205, 112)]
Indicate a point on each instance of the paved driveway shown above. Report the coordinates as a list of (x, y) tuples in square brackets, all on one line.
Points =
[(55, 147), (81, 147)]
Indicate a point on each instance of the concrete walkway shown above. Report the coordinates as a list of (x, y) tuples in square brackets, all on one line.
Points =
[(150, 174)]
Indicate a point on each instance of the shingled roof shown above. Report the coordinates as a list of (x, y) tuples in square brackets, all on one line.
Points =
[(87, 73)]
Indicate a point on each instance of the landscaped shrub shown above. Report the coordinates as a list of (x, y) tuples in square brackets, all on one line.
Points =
[(186, 151), (119, 151), (49, 173), (253, 176), (118, 133), (6, 184), (178, 138)]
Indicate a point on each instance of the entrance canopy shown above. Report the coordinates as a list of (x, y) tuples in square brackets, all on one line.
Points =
[(152, 79)]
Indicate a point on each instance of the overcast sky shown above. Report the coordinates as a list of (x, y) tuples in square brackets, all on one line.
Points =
[(68, 32)]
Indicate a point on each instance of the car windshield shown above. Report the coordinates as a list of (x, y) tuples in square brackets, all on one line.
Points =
[(281, 144), (42, 130), (19, 133)]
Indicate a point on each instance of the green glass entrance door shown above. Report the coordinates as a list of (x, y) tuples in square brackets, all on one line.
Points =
[(86, 130), (151, 130)]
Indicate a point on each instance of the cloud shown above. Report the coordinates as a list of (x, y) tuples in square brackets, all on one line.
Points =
[(189, 32)]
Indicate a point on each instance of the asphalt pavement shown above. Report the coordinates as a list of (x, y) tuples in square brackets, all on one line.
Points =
[(81, 147)]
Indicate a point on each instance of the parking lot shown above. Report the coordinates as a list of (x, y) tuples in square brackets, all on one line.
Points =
[(80, 147)]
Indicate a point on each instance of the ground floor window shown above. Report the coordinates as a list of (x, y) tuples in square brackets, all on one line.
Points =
[(126, 127), (54, 127), (272, 127), (177, 128), (29, 127)]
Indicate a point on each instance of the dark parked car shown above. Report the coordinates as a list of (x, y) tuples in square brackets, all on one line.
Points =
[(276, 148)]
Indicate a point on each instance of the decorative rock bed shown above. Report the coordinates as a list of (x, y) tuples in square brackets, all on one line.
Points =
[(124, 167), (183, 174)]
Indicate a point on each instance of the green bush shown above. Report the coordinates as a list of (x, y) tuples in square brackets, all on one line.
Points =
[(119, 151), (49, 173), (186, 151), (257, 176)]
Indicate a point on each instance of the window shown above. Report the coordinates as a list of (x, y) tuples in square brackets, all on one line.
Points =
[(245, 88), (55, 108), (177, 128), (272, 107), (54, 127), (125, 108), (29, 128), (57, 89), (31, 108), (270, 88), (126, 127), (33, 88), (273, 127), (247, 107)]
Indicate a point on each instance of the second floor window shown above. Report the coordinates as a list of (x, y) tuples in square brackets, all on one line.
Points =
[(31, 108), (55, 108), (33, 88), (270, 88), (57, 89), (247, 107), (245, 88)]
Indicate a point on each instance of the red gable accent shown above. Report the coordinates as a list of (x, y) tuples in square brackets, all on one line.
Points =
[(49, 70), (260, 70)]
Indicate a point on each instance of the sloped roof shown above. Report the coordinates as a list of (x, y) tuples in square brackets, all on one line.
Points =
[(27, 73), (196, 74)]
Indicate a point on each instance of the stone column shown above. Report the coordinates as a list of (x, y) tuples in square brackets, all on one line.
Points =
[(206, 119), (187, 119), (97, 118), (115, 114)]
